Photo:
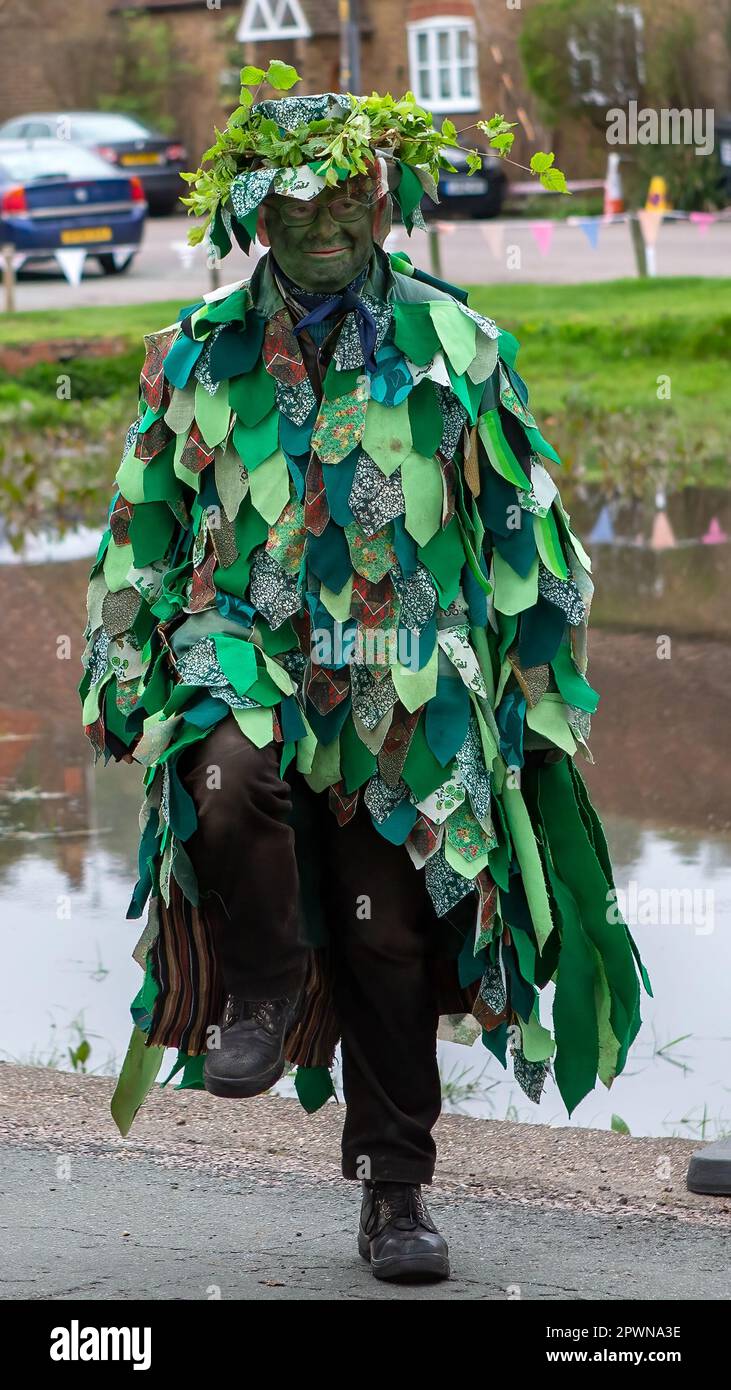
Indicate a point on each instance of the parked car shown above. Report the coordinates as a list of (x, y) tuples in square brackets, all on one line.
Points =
[(468, 195), (156, 161), (55, 196)]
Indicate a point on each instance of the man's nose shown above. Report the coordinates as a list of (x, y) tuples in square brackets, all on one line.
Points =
[(324, 221)]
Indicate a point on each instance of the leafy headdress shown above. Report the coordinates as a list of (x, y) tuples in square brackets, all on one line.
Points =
[(296, 146)]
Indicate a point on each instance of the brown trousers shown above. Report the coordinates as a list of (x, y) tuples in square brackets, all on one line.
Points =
[(258, 836)]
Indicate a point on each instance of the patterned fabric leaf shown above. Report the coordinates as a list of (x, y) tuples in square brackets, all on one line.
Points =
[(281, 351), (152, 380)]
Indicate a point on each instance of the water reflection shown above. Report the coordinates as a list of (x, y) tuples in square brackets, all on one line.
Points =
[(68, 840)]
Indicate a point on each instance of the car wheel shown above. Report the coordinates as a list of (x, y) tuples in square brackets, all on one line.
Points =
[(110, 266)]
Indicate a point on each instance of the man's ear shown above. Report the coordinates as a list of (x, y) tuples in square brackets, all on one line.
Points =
[(382, 219), (261, 227)]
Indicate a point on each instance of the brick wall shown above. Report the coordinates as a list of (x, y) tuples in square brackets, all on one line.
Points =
[(58, 53)]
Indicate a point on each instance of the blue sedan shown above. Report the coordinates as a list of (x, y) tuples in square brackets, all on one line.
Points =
[(57, 196)]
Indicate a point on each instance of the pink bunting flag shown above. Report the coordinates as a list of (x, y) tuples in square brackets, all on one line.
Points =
[(663, 536), (494, 233), (715, 535), (543, 235), (702, 220)]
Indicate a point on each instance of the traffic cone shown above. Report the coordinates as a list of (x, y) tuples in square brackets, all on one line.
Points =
[(657, 195), (613, 194)]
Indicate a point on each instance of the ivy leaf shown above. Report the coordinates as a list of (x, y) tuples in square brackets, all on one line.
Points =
[(195, 235), (251, 76), (619, 1125), (241, 113), (555, 181), (503, 142), (474, 161), (449, 130), (540, 162), (281, 76)]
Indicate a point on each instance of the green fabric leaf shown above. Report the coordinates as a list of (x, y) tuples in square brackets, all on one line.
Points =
[(499, 452), (252, 395), (421, 479), (414, 333), (444, 557), (357, 762), (269, 487), (180, 413), (212, 413), (549, 719), (256, 724), (456, 332), (409, 192), (387, 435), (257, 442), (139, 1071), (541, 445), (414, 688), (425, 417), (526, 850), (313, 1086), (423, 773), (574, 688), (513, 594), (150, 531), (549, 545), (237, 659)]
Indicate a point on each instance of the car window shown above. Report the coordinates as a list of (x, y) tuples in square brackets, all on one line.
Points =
[(104, 126), (59, 159), (10, 130), (32, 130)]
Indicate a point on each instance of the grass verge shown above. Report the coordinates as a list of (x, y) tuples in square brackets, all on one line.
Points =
[(623, 376)]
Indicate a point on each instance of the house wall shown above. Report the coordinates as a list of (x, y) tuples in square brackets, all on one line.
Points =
[(59, 53)]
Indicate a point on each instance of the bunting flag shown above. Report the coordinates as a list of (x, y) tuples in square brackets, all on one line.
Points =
[(715, 535), (542, 233), (494, 234), (650, 224), (603, 528), (71, 262), (663, 536), (590, 227), (702, 220)]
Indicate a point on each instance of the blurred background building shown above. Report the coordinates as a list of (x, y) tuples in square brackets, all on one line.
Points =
[(552, 65)]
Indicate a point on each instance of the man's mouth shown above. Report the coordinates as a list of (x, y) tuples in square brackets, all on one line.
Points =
[(331, 251)]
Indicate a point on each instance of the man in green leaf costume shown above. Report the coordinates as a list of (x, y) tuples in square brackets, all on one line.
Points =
[(339, 616)]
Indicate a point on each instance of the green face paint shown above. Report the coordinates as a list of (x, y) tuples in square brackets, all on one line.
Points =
[(323, 254)]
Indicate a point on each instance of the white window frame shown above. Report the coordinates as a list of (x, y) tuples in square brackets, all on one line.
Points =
[(272, 12), (453, 25)]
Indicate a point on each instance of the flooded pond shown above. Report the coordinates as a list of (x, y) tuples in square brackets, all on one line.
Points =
[(68, 838)]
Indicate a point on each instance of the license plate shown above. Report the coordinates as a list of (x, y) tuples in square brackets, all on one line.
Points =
[(141, 159), (468, 185), (73, 235)]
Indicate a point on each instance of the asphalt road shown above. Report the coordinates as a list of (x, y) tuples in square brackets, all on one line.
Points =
[(168, 268), (124, 1227), (208, 1200)]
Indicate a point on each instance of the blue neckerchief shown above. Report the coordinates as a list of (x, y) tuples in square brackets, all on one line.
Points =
[(325, 305)]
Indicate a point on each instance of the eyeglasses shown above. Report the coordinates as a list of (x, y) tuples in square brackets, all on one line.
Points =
[(295, 212)]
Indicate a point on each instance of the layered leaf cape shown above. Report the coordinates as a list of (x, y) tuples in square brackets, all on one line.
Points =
[(385, 584)]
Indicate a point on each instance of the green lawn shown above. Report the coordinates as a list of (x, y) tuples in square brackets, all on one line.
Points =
[(592, 355)]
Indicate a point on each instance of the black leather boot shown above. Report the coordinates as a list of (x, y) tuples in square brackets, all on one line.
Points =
[(251, 1056), (398, 1235)]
